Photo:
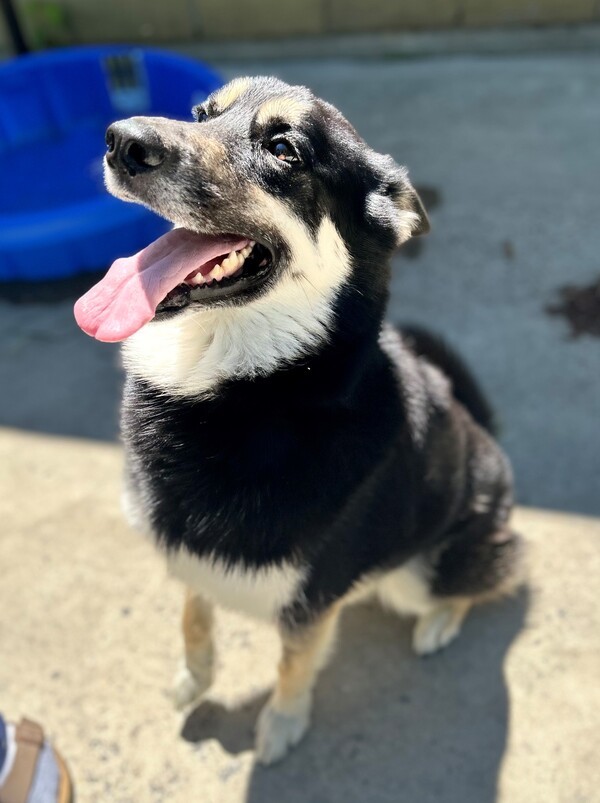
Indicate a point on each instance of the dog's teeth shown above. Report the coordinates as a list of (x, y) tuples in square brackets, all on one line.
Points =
[(231, 266), (229, 260), (234, 263)]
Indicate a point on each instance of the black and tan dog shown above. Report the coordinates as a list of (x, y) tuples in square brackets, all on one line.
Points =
[(288, 450)]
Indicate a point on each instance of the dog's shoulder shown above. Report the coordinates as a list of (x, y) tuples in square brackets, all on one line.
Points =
[(423, 387)]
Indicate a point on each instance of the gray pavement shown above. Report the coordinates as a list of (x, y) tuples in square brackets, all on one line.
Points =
[(509, 713), (511, 148)]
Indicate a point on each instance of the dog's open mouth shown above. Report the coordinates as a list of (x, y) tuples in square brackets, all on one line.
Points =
[(179, 268), (221, 277)]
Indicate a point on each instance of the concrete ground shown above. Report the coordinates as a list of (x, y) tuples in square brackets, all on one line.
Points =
[(508, 147), (88, 628)]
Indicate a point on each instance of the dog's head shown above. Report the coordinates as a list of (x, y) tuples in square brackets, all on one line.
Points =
[(274, 197)]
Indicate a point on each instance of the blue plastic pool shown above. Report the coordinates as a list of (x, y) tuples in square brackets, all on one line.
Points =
[(56, 218)]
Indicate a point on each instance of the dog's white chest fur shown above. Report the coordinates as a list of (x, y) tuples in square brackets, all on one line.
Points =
[(261, 594), (193, 352)]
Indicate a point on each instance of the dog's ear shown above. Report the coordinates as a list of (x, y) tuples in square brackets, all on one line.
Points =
[(395, 203)]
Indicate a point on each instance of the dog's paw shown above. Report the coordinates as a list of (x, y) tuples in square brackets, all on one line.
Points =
[(437, 628), (189, 686), (276, 731)]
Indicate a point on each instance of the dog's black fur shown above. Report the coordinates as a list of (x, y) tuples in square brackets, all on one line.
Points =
[(355, 457), (371, 447), (355, 460)]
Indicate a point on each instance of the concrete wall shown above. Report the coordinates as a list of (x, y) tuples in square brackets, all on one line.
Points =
[(51, 22)]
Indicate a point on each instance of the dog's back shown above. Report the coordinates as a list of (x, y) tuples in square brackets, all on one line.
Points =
[(465, 387)]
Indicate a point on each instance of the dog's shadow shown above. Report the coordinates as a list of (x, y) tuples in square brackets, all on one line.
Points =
[(388, 726), (232, 727)]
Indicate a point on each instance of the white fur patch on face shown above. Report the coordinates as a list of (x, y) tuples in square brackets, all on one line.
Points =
[(259, 593), (192, 353)]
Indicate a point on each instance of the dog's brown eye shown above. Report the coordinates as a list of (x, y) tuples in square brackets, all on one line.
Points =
[(283, 151)]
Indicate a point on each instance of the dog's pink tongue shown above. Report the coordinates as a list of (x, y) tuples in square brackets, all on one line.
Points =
[(127, 297)]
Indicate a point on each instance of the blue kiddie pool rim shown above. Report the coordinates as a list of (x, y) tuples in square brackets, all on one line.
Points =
[(64, 239)]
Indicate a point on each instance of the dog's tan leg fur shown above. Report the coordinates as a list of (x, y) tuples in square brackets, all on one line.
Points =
[(285, 718), (196, 674)]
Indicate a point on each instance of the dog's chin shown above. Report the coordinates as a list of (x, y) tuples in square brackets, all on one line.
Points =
[(257, 272)]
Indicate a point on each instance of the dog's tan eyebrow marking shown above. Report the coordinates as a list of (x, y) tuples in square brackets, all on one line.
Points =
[(290, 110), (225, 97)]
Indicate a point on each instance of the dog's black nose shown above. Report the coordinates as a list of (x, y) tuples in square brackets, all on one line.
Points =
[(133, 146)]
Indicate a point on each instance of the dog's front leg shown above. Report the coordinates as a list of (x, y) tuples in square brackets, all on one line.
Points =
[(196, 672), (285, 718)]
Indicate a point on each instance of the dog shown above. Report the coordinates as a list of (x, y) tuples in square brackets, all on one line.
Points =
[(289, 451)]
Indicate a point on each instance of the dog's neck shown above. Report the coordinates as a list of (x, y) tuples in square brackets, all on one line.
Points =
[(196, 352), (329, 376)]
